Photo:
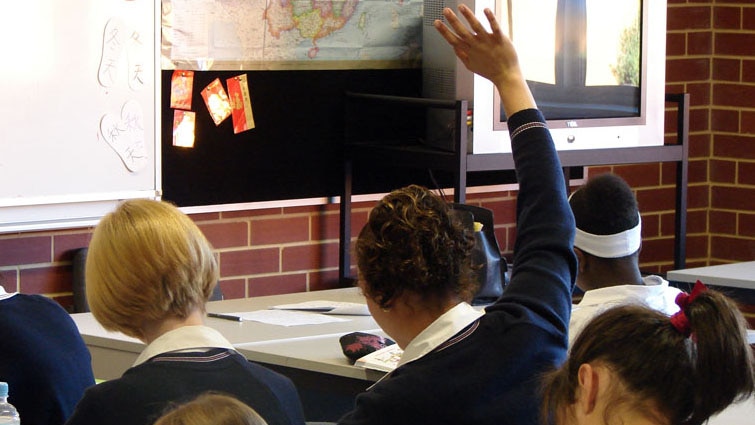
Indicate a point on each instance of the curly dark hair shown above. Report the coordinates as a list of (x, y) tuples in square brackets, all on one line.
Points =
[(412, 242), (605, 205)]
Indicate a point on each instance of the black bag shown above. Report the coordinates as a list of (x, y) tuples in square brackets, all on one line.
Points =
[(490, 267)]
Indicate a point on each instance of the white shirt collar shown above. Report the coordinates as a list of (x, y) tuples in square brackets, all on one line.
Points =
[(4, 295), (184, 338), (442, 329)]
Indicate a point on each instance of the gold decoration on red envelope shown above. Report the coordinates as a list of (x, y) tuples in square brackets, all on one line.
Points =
[(183, 128), (181, 85), (217, 102), (241, 103)]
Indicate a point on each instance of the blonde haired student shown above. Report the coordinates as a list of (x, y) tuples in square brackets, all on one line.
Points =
[(149, 273), (212, 409)]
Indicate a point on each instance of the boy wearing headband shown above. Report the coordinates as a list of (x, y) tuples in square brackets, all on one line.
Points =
[(607, 244)]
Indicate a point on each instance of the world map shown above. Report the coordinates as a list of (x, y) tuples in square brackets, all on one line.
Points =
[(291, 34)]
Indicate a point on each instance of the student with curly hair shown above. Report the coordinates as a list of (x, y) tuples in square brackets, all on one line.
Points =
[(460, 365)]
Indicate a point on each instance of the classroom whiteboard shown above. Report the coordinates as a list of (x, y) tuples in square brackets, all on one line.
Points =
[(78, 109)]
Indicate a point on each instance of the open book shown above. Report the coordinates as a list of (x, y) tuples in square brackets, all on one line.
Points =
[(386, 359)]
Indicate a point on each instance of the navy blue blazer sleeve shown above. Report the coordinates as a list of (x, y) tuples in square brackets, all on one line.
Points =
[(544, 264)]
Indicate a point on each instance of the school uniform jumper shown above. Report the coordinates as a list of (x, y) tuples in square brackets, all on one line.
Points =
[(42, 358), (488, 372), (172, 370)]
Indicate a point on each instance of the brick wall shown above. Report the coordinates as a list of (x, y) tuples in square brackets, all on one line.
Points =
[(710, 54)]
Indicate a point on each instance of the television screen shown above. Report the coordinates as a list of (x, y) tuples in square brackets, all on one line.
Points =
[(586, 64), (596, 69)]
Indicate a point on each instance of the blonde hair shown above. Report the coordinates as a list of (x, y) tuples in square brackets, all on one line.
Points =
[(212, 408), (147, 261)]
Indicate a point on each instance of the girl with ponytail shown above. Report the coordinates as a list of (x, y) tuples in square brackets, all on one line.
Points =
[(634, 365)]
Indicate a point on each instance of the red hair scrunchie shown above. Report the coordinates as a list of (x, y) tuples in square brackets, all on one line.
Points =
[(679, 320)]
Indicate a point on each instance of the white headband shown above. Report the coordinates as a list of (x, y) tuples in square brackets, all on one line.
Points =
[(610, 246)]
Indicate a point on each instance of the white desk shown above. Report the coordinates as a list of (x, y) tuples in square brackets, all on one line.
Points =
[(315, 346), (736, 275)]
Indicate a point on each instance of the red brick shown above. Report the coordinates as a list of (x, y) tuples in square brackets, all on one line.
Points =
[(694, 69), (727, 17), (501, 235), (275, 285), (676, 44), (733, 198), (650, 225), (280, 230), (310, 257), (66, 245), (325, 226), (233, 288), (746, 226), (699, 120), (733, 146), (657, 250), (653, 200), (699, 94), (227, 234), (732, 249), (699, 145), (252, 213), (748, 18), (722, 171), (319, 281), (688, 18), (306, 209), (723, 222), (46, 280), (735, 95), (697, 221), (667, 224), (9, 281), (734, 44), (697, 246), (748, 122), (200, 217), (725, 69), (697, 172), (746, 173), (640, 175), (504, 212), (697, 196), (699, 43), (725, 120), (249, 261), (25, 250), (358, 220), (748, 71)]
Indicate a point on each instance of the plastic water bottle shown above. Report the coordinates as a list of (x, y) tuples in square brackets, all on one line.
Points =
[(8, 413)]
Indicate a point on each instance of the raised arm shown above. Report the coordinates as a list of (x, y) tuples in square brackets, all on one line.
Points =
[(544, 266), (488, 54)]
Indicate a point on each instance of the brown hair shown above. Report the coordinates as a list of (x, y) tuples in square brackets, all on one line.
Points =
[(411, 242), (661, 370), (212, 409), (147, 261)]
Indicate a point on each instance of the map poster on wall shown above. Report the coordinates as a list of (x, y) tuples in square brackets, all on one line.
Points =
[(291, 34)]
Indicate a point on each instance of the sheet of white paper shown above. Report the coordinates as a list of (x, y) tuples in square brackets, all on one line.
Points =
[(327, 307), (286, 317)]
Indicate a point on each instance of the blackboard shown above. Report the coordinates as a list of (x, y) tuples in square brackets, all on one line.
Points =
[(296, 150), (79, 108)]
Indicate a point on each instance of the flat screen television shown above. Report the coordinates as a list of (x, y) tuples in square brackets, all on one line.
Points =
[(595, 67)]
